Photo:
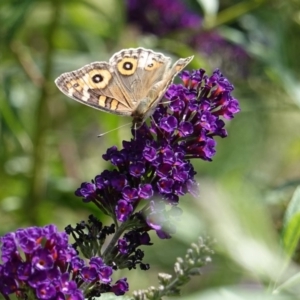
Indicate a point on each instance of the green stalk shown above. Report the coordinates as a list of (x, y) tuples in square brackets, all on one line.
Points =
[(37, 183)]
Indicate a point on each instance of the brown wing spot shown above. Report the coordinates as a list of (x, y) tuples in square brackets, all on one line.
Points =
[(98, 78), (69, 85), (127, 65), (77, 84), (102, 100), (152, 65)]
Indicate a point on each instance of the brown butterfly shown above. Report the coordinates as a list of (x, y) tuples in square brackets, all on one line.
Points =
[(131, 84)]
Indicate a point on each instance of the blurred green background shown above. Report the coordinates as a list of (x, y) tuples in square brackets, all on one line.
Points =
[(49, 144)]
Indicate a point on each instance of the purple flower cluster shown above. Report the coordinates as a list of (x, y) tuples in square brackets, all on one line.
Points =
[(40, 262), (155, 166)]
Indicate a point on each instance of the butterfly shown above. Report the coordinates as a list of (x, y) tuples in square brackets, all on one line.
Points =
[(131, 83)]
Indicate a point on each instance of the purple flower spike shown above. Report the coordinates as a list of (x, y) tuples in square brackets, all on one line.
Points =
[(157, 163)]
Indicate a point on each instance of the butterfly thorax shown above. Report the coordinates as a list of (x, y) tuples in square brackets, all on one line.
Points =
[(141, 113)]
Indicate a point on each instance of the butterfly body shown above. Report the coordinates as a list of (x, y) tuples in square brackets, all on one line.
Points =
[(131, 84)]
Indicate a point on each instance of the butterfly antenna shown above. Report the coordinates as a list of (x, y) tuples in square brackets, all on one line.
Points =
[(167, 102), (135, 129), (152, 119), (102, 134)]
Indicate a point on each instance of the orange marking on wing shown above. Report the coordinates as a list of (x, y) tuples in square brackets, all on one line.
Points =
[(114, 104)]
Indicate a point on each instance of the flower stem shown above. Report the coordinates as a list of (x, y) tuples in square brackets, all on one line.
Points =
[(113, 241)]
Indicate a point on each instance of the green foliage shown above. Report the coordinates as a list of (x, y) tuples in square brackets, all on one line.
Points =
[(291, 228), (49, 144)]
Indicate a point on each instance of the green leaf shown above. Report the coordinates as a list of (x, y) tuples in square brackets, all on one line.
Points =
[(291, 224)]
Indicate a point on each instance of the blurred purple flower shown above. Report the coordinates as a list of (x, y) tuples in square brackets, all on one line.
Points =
[(164, 17), (161, 17)]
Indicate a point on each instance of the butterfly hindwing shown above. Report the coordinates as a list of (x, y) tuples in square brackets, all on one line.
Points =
[(95, 85)]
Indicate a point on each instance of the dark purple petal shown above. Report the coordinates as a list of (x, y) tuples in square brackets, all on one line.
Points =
[(96, 262), (180, 173), (165, 185), (37, 278), (137, 169), (77, 263), (87, 191), (123, 210), (172, 199), (105, 273), (164, 170), (149, 153), (88, 274), (145, 191), (120, 287), (163, 234), (186, 128), (67, 286), (130, 194), (118, 182), (145, 239), (169, 124), (42, 260), (122, 246), (8, 285), (45, 291), (24, 270), (110, 152)]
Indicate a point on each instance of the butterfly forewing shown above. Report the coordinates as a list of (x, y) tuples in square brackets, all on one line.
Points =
[(95, 85)]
